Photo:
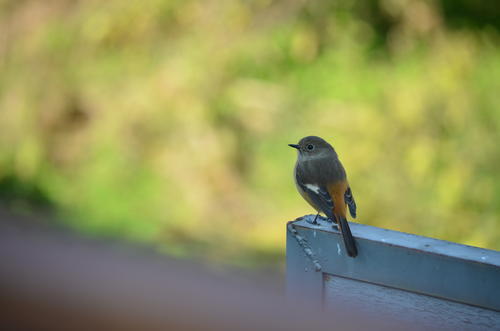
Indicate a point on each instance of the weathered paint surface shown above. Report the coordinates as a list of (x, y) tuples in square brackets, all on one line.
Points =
[(398, 274), (420, 311)]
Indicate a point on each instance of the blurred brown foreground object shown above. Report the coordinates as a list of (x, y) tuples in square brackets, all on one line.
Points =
[(54, 280)]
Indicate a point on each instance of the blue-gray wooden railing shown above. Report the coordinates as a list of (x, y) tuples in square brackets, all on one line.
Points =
[(410, 280)]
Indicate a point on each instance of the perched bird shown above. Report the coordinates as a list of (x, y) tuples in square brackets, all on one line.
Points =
[(321, 180)]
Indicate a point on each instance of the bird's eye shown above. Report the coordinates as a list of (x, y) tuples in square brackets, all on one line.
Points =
[(310, 147)]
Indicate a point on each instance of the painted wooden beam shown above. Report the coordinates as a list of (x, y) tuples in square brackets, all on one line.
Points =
[(397, 276)]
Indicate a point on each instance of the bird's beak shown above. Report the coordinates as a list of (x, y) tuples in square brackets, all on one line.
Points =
[(294, 146)]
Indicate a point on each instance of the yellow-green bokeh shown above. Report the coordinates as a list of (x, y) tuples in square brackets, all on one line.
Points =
[(168, 121)]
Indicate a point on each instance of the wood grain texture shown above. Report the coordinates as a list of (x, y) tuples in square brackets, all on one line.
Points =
[(376, 303)]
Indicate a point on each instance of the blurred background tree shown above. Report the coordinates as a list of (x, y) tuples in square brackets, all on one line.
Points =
[(167, 122)]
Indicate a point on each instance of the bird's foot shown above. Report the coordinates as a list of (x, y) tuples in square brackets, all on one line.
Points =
[(317, 219), (312, 221)]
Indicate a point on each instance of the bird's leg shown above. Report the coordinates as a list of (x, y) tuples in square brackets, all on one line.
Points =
[(315, 222)]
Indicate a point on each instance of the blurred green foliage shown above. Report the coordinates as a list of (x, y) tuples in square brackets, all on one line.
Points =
[(168, 121)]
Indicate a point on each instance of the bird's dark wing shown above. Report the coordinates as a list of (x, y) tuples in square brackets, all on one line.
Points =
[(349, 200), (317, 194)]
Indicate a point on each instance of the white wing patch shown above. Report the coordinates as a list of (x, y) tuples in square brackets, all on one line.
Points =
[(313, 187)]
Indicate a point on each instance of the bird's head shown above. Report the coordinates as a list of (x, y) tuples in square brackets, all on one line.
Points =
[(312, 147)]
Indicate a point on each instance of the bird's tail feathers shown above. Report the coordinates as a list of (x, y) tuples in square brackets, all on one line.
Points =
[(350, 244)]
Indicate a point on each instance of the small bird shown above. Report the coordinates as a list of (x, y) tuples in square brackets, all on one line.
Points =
[(321, 180)]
